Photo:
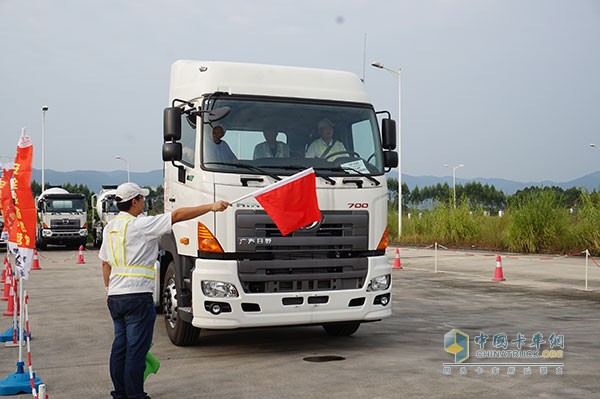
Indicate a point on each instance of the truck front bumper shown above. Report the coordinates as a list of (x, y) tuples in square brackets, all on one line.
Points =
[(285, 308)]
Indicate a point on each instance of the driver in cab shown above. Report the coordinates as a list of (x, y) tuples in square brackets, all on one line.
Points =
[(326, 146)]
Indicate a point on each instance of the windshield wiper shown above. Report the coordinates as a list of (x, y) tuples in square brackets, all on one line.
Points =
[(297, 167), (344, 169), (246, 166)]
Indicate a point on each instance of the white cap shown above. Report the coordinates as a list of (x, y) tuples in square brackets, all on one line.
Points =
[(325, 123), (127, 191)]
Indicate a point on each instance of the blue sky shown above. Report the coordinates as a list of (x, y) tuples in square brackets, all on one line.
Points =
[(508, 88)]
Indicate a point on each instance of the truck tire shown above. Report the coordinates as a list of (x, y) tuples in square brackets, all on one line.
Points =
[(180, 332), (341, 329), (41, 245), (97, 240)]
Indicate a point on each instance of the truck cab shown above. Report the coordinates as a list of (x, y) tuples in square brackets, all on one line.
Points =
[(234, 269), (104, 206), (62, 218)]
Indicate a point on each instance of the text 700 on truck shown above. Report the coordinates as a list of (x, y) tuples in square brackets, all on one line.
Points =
[(234, 269)]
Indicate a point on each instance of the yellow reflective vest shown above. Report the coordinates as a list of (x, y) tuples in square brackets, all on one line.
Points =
[(116, 250)]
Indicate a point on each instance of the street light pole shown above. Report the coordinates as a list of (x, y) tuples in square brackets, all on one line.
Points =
[(397, 74), (454, 179), (127, 162), (44, 110)]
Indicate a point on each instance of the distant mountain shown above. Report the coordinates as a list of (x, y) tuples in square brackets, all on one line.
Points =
[(95, 179), (590, 182)]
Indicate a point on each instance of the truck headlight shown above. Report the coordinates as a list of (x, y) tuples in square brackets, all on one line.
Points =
[(46, 233), (219, 289), (380, 283), (83, 232)]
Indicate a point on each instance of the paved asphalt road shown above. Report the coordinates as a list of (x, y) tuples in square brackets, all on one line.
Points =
[(400, 357)]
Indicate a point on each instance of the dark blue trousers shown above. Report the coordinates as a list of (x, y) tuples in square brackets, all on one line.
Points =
[(133, 318)]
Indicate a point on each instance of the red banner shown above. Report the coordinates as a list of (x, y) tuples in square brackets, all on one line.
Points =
[(23, 231), (8, 205)]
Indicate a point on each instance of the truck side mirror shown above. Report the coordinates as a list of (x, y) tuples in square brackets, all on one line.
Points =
[(390, 159), (172, 152), (172, 124), (389, 134)]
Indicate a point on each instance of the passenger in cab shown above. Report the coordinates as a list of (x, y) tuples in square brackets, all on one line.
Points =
[(217, 150), (271, 147), (326, 144)]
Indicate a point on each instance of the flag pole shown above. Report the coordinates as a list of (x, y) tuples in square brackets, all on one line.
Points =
[(20, 325), (274, 185), (243, 197)]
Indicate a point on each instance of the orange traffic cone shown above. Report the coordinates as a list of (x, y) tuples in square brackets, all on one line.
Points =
[(7, 284), (36, 263), (498, 275), (80, 260), (397, 264), (3, 279), (10, 309)]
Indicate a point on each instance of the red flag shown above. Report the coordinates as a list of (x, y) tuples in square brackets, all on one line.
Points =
[(23, 231), (8, 205), (291, 202)]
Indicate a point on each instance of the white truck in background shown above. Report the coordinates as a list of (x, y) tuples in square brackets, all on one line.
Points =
[(234, 269), (62, 218), (2, 240), (104, 209)]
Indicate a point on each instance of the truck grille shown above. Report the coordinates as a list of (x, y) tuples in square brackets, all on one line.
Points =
[(338, 231), (64, 224), (314, 259), (301, 276)]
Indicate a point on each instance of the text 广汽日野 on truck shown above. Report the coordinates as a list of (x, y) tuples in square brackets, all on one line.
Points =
[(234, 269)]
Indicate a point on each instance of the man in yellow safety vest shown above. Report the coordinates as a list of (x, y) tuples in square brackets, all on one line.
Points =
[(128, 253)]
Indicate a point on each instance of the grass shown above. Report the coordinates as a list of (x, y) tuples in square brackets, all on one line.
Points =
[(536, 223)]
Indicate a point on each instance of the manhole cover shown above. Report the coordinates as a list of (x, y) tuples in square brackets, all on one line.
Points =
[(319, 359)]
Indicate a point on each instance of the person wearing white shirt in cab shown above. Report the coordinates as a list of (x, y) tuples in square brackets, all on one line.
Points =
[(128, 253), (326, 145), (216, 149), (271, 147)]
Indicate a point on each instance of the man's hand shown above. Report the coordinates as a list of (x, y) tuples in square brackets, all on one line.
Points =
[(220, 206)]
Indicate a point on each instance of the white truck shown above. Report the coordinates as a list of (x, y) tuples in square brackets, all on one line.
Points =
[(2, 238), (62, 218), (104, 208), (234, 269)]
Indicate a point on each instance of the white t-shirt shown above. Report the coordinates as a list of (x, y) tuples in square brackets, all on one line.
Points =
[(318, 147), (141, 248)]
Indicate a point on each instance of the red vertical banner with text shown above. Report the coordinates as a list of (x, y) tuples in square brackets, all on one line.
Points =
[(6, 198), (23, 231)]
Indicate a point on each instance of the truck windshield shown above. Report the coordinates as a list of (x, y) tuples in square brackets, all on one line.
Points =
[(111, 206), (65, 205), (283, 137)]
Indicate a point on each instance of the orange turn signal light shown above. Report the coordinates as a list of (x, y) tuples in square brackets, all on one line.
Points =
[(383, 243), (207, 241)]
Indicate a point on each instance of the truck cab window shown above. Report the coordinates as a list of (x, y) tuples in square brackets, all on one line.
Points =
[(188, 140)]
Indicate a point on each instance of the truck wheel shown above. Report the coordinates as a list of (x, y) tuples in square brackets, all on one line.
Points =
[(181, 333), (97, 241), (40, 245), (341, 329)]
